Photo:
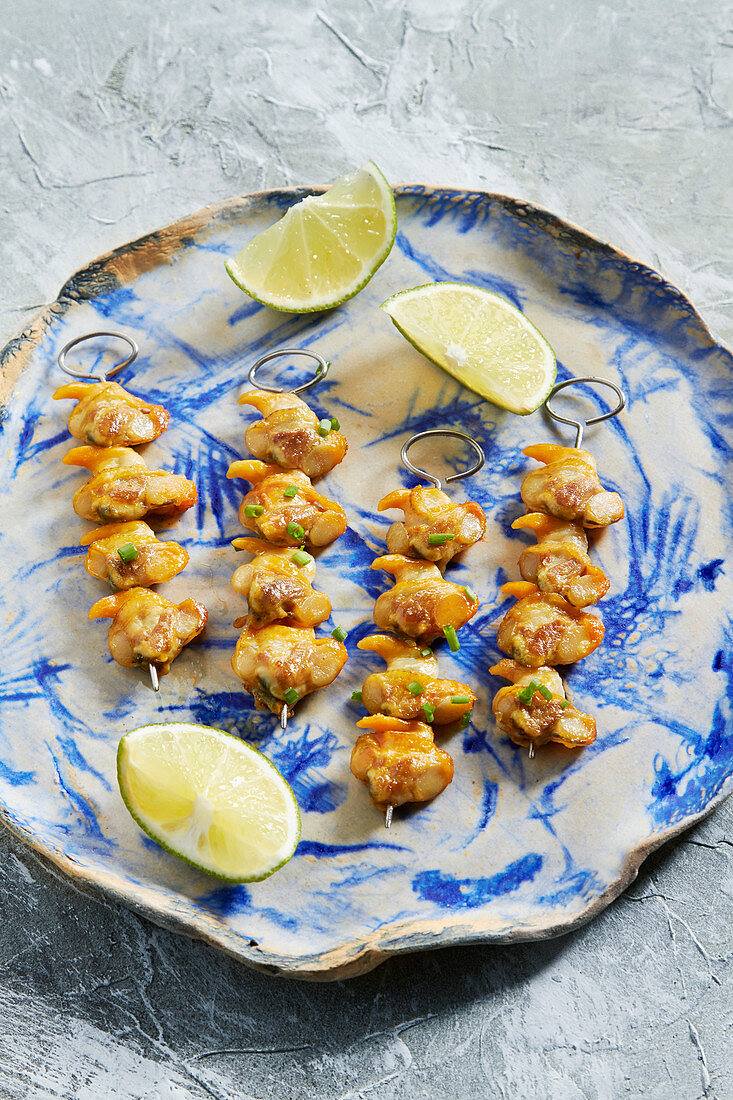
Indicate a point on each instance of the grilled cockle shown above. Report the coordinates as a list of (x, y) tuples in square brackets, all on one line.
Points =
[(277, 585), (399, 761), (129, 555), (410, 688), (108, 416), (544, 629), (291, 435), (568, 488), (434, 528), (559, 562), (421, 604), (148, 629), (279, 665), (123, 487), (534, 709), (284, 508)]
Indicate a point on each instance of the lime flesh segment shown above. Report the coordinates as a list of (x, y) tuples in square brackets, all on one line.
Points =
[(324, 249), (481, 339), (209, 798)]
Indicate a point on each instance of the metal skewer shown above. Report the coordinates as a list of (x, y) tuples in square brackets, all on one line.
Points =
[(154, 677), (322, 368), (134, 350), (580, 426), (432, 433)]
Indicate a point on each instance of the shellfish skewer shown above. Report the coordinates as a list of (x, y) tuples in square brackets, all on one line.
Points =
[(284, 717), (154, 677), (388, 817)]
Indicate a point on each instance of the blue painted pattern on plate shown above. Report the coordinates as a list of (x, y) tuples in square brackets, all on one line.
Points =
[(514, 847)]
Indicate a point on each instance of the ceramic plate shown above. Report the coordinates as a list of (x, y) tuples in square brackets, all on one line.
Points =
[(514, 849)]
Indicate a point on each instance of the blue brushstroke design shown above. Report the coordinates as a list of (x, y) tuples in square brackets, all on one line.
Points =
[(450, 892)]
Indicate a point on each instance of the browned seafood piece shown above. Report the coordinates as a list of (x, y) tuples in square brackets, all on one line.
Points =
[(291, 435), (147, 628), (281, 664), (284, 508), (559, 562), (568, 487), (428, 511), (534, 709), (123, 487), (399, 762), (421, 604), (108, 416), (544, 629), (129, 555), (277, 585), (410, 687)]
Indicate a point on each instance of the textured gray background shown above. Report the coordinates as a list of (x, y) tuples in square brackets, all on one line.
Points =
[(120, 117)]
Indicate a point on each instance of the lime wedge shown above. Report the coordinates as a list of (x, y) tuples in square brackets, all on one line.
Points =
[(209, 798), (481, 339), (324, 249)]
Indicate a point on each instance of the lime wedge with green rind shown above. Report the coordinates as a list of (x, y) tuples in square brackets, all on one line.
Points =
[(324, 249), (481, 339), (208, 798)]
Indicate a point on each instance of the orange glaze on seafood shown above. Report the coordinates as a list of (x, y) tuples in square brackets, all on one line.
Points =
[(321, 519), (288, 435), (389, 692), (428, 511), (559, 562), (109, 416), (154, 563), (274, 659), (147, 628), (123, 487), (544, 629), (421, 603), (277, 588), (399, 761), (567, 487), (536, 720)]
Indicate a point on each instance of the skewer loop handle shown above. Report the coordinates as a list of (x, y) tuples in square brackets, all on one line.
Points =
[(134, 350), (445, 432), (321, 370), (581, 425)]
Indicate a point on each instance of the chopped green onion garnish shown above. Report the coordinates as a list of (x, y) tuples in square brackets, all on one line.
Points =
[(416, 687), (459, 699), (254, 509), (525, 694), (564, 703), (339, 634), (291, 491), (324, 426), (356, 697), (544, 691), (470, 593), (450, 633), (465, 720), (295, 530), (291, 697), (128, 552), (335, 424), (426, 652), (301, 558), (439, 540), (428, 711)]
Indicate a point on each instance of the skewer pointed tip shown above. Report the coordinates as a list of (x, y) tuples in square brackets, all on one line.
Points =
[(388, 817), (531, 750), (284, 717), (154, 677)]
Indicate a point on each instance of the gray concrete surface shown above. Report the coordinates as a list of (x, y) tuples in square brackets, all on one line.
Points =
[(120, 117)]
